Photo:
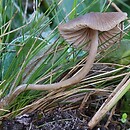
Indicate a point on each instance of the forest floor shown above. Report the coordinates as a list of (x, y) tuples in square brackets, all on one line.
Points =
[(59, 119)]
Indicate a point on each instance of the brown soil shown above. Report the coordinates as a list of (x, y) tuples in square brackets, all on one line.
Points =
[(60, 120)]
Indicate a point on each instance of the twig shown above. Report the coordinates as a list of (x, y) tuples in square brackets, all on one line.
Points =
[(113, 98), (109, 118), (116, 7)]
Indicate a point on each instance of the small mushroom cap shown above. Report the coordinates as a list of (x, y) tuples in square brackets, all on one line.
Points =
[(79, 30)]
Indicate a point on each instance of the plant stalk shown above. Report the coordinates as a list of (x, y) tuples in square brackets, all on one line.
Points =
[(113, 98)]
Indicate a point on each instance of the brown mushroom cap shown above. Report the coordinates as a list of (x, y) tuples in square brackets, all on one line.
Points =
[(78, 31)]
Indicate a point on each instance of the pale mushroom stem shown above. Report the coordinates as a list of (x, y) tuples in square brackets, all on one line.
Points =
[(71, 81)]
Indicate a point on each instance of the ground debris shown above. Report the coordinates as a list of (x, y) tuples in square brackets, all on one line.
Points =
[(59, 119), (54, 120)]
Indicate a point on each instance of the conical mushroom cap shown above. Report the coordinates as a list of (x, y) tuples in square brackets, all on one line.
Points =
[(79, 31)]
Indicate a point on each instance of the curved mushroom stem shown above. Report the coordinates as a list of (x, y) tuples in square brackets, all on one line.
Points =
[(71, 81)]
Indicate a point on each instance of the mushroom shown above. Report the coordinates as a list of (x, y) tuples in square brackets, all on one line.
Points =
[(90, 29), (86, 31)]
